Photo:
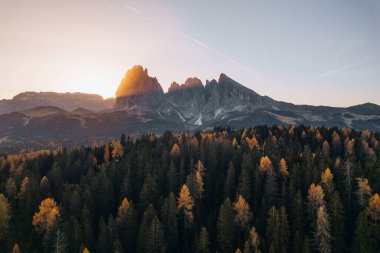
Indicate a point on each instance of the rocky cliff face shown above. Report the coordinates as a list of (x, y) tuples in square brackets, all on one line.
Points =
[(138, 92), (227, 103)]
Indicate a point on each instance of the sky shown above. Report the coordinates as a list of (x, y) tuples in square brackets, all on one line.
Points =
[(324, 52)]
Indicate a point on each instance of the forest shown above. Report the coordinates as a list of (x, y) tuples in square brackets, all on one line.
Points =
[(262, 189)]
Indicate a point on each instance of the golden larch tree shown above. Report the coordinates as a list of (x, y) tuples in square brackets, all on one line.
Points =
[(283, 168), (374, 207), (265, 164), (117, 149), (254, 238), (186, 203), (4, 215), (200, 175), (327, 180), (122, 211), (47, 216), (242, 210), (175, 150), (16, 249), (364, 191)]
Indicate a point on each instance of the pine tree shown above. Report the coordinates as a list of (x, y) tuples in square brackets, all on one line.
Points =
[(337, 214), (272, 230), (244, 186), (225, 228), (202, 243), (169, 218), (283, 230), (101, 244), (364, 192), (149, 215), (88, 231), (362, 237), (149, 193), (229, 183), (60, 243), (4, 216), (154, 237), (322, 237)]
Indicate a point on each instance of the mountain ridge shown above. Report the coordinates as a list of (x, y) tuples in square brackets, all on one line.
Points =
[(190, 106)]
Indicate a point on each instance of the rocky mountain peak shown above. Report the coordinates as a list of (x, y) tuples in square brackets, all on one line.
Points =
[(223, 77), (174, 86), (138, 82), (192, 82)]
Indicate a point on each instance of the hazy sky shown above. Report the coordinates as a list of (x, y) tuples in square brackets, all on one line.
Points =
[(301, 51)]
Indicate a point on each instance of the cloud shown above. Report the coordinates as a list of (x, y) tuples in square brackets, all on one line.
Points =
[(347, 67), (132, 8), (200, 43)]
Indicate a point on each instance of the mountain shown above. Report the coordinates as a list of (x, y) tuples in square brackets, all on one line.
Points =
[(66, 101), (141, 106)]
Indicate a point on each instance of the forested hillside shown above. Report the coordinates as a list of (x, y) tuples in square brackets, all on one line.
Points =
[(266, 189)]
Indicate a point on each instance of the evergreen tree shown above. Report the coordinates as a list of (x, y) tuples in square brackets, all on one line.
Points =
[(362, 237), (202, 243), (336, 211), (4, 216), (322, 237), (225, 227), (169, 217)]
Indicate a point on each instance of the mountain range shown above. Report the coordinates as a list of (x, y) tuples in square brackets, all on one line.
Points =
[(141, 106)]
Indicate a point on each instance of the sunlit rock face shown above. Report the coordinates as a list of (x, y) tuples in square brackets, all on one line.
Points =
[(137, 82), (138, 92)]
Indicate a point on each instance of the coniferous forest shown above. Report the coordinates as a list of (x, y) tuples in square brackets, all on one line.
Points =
[(264, 189)]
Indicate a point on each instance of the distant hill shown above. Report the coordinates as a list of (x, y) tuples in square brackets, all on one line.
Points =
[(141, 106), (66, 101)]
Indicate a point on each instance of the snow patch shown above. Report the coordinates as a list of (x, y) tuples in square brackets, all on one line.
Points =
[(26, 121), (199, 120)]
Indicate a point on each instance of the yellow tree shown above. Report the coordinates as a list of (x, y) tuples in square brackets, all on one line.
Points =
[(327, 180), (186, 203), (175, 150), (364, 191), (283, 168), (199, 175), (122, 211), (16, 249), (47, 216), (86, 250), (315, 200), (265, 164), (374, 207), (4, 216), (254, 238), (243, 213), (117, 149)]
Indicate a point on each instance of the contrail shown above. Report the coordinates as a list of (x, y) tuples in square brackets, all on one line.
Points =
[(200, 43), (132, 8), (346, 67)]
